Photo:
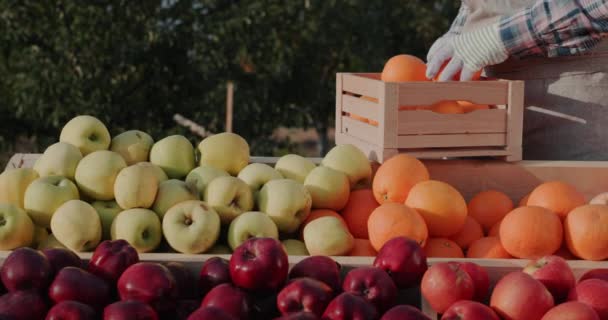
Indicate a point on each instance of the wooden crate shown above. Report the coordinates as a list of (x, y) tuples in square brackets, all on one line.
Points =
[(390, 129)]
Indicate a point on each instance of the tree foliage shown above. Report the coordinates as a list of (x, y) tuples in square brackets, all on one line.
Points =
[(134, 64)]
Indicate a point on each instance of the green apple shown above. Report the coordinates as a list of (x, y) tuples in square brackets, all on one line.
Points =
[(40, 236), (219, 249), (257, 174), (158, 172), (136, 187), (226, 151), (96, 174), (252, 224), (59, 159), (44, 195), (287, 202), (351, 161), (295, 247), (139, 227), (191, 227), (13, 183), (174, 154), (328, 188), (107, 211), (77, 226), (295, 167), (172, 192), (133, 145), (229, 196), (87, 133), (328, 236), (16, 227), (50, 242), (201, 176)]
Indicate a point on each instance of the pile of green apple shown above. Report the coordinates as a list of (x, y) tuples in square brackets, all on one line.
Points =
[(167, 195)]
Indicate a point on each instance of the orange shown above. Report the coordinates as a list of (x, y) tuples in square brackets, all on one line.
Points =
[(447, 106), (468, 106), (488, 248), (395, 220), (557, 196), (363, 248), (396, 176), (586, 232), (359, 207), (494, 231), (442, 248), (403, 68), (488, 207), (524, 201), (531, 232), (470, 232), (358, 118), (315, 214), (456, 77), (370, 99), (441, 205)]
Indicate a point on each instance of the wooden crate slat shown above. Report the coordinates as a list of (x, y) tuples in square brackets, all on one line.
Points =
[(427, 93), (451, 140), (429, 122), (361, 85), (360, 107), (363, 131), (446, 153)]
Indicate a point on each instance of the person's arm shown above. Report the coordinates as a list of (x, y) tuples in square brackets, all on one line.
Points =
[(459, 21)]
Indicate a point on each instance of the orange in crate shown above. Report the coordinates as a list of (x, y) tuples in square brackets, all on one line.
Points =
[(470, 232), (586, 232), (557, 196), (361, 203), (489, 207), (447, 106), (363, 248), (442, 248), (488, 248), (403, 68), (396, 176), (395, 220), (531, 232), (468, 106)]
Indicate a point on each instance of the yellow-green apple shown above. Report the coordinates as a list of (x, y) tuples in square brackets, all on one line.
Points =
[(257, 174), (351, 161), (226, 151), (219, 248), (96, 174), (295, 247), (287, 202), (174, 154), (133, 145), (328, 236), (202, 175), (252, 224), (16, 227), (444, 284), (87, 133), (59, 159), (160, 174), (191, 227), (295, 167), (76, 225), (229, 196), (44, 195), (51, 243), (13, 183), (140, 227), (328, 188), (135, 187), (107, 211), (40, 235), (172, 192)]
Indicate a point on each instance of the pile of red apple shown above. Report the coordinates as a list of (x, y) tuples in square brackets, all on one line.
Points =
[(256, 283)]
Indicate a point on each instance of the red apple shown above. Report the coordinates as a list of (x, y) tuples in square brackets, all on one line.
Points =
[(151, 283), (594, 293), (71, 310), (22, 305), (259, 264), (184, 308), (601, 274), (214, 271), (404, 260), (480, 277), (321, 268), (571, 310), (61, 258), (304, 294), (373, 284), (26, 269), (186, 283), (469, 310), (229, 298), (349, 306), (111, 258), (72, 283), (211, 313), (298, 316), (519, 296), (555, 273), (404, 312), (444, 284), (127, 310)]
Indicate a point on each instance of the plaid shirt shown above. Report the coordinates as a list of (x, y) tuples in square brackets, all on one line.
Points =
[(550, 27)]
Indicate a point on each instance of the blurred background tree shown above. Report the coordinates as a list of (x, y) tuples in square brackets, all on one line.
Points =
[(135, 64)]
